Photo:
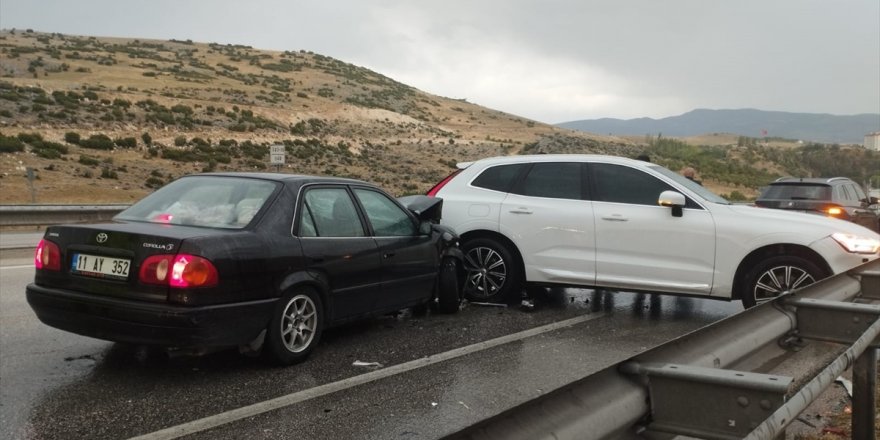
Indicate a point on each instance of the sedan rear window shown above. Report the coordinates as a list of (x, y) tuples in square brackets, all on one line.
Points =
[(797, 192), (209, 201)]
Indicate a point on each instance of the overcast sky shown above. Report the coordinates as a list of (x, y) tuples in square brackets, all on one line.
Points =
[(548, 60)]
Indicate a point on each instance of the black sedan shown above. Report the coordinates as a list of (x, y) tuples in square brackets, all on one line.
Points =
[(260, 261)]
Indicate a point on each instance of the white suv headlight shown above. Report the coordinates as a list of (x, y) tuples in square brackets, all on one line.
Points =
[(857, 244)]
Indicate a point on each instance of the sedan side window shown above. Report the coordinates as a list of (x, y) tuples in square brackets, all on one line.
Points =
[(552, 180), (329, 212), (388, 219), (620, 184)]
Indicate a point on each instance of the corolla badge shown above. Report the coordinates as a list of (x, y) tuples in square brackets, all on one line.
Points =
[(166, 247), (101, 238)]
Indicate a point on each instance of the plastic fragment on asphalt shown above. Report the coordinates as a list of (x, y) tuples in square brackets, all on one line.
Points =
[(433, 403), (485, 304), (367, 364), (846, 385), (464, 404)]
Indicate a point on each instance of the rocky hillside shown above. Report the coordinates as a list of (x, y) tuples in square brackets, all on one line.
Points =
[(108, 120), (104, 120)]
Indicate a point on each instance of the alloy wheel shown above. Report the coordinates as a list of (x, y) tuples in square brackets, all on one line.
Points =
[(299, 323), (486, 271), (778, 280)]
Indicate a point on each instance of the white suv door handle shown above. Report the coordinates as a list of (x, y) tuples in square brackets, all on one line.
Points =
[(521, 210), (615, 218)]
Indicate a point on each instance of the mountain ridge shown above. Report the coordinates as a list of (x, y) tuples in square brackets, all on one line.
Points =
[(750, 122)]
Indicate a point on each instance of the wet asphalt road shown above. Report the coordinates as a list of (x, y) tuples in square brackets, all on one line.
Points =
[(439, 373)]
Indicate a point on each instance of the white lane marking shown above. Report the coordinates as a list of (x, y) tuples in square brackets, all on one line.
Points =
[(226, 417), (27, 266)]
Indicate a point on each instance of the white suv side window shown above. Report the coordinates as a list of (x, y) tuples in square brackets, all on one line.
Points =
[(500, 177), (552, 180), (620, 184)]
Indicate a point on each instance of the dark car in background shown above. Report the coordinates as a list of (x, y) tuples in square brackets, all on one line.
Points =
[(260, 261), (837, 197)]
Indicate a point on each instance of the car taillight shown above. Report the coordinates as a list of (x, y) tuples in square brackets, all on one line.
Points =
[(433, 191), (180, 270), (47, 256), (835, 211)]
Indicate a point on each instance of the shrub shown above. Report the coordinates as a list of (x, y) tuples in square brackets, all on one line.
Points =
[(180, 108), (72, 138), (10, 144), (88, 160), (180, 141), (107, 173), (47, 153), (126, 142), (30, 138), (148, 140), (210, 166), (153, 182), (98, 142), (47, 145)]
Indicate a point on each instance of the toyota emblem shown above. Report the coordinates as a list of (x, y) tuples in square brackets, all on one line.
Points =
[(102, 237)]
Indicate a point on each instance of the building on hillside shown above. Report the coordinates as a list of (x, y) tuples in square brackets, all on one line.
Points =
[(872, 141)]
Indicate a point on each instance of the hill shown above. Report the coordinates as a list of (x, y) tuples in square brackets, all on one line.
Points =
[(108, 120), (823, 128)]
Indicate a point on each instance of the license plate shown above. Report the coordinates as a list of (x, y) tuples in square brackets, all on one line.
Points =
[(101, 267)]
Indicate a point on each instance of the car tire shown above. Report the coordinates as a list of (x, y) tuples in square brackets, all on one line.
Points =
[(448, 287), (295, 327), (492, 272), (776, 275)]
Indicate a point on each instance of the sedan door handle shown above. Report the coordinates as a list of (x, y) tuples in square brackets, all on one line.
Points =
[(615, 218), (521, 211), (388, 255)]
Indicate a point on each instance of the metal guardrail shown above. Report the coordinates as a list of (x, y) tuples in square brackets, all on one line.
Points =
[(36, 215), (716, 383)]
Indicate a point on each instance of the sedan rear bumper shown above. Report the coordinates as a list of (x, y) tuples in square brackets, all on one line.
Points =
[(138, 322)]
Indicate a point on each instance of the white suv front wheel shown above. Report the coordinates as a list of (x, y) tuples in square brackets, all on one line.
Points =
[(778, 275), (493, 273)]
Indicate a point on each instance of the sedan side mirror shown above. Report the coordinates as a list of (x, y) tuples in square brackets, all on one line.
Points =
[(673, 199), (425, 227)]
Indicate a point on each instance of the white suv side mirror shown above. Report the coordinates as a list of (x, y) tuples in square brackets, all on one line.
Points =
[(673, 199)]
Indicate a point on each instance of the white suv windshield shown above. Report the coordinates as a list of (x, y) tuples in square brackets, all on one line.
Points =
[(700, 190)]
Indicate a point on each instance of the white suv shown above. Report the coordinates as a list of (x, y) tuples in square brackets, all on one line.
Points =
[(603, 221)]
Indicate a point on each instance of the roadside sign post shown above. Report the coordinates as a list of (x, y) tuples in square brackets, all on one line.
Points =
[(30, 178), (276, 156)]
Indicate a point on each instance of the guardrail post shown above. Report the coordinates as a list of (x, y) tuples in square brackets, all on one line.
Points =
[(864, 408), (719, 403)]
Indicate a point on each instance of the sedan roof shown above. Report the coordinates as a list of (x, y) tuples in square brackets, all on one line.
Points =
[(281, 177)]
